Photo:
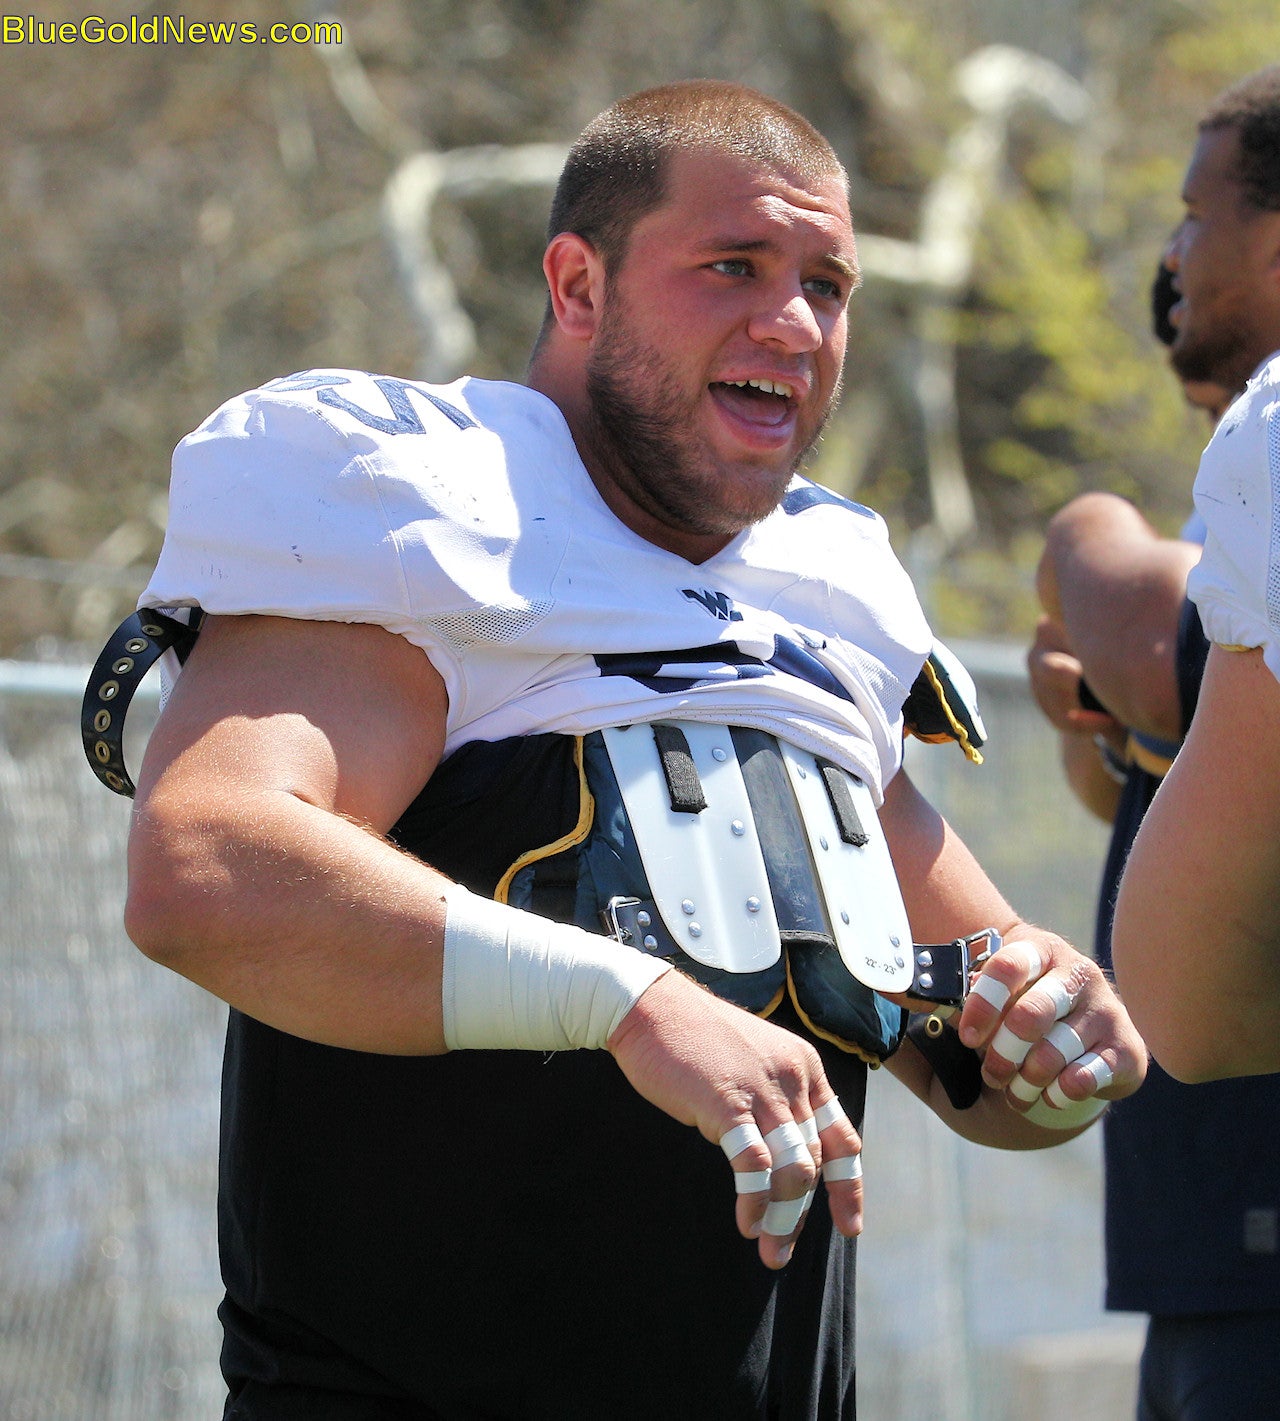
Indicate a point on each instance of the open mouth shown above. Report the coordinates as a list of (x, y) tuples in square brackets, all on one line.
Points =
[(761, 402)]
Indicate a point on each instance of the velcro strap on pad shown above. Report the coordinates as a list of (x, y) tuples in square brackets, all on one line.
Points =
[(842, 805), (681, 774)]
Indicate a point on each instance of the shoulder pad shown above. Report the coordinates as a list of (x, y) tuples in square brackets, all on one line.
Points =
[(943, 704)]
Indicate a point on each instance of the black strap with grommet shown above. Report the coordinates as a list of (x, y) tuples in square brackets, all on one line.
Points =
[(131, 651), (958, 1069)]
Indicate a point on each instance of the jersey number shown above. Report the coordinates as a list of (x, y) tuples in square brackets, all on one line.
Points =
[(396, 392)]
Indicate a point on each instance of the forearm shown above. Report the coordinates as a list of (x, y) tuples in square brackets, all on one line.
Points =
[(946, 892), (1035, 986), (1117, 589), (1091, 781), (294, 915)]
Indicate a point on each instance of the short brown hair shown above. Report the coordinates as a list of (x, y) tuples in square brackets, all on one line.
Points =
[(1252, 107), (616, 172)]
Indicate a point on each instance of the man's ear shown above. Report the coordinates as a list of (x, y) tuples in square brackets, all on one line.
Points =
[(575, 279)]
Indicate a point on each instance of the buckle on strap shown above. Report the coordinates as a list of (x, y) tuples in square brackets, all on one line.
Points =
[(941, 978), (638, 924), (131, 651), (943, 972)]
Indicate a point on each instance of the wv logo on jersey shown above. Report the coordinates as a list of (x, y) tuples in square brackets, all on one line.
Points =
[(719, 604)]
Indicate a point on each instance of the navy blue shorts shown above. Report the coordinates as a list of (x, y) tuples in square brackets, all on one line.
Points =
[(1211, 1367)]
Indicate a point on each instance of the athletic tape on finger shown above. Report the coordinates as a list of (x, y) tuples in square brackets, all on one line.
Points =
[(808, 1130), (1013, 1048), (1024, 1090), (841, 1168), (1066, 1040), (1102, 1073), (828, 1113), (741, 1137), (782, 1216), (1070, 1117), (786, 1143), (1056, 988), (752, 1181), (1097, 1068), (1035, 963), (991, 990), (1057, 1097)]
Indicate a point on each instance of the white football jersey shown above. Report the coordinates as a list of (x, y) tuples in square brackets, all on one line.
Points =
[(1236, 585), (461, 518)]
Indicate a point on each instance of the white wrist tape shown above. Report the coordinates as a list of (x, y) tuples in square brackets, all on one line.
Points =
[(515, 981)]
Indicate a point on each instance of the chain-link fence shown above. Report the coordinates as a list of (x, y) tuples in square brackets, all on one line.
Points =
[(978, 1271)]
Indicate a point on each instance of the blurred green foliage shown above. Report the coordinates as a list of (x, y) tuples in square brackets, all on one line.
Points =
[(176, 225)]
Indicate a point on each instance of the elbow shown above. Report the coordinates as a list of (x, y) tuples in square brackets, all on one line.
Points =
[(171, 904), (1177, 1051), (152, 921), (1195, 1062)]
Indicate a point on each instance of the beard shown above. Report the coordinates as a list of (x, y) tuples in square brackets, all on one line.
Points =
[(1223, 354), (642, 427)]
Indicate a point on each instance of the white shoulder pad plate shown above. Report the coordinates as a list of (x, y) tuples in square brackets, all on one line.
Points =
[(706, 870), (859, 885)]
